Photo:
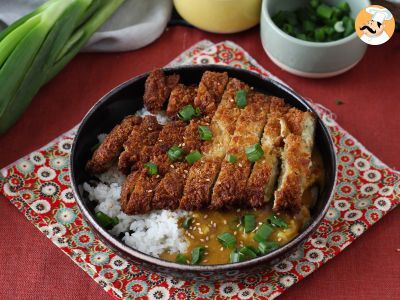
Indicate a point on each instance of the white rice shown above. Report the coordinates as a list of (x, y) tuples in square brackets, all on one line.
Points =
[(152, 233)]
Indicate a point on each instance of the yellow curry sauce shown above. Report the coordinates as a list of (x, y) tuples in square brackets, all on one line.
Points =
[(207, 225)]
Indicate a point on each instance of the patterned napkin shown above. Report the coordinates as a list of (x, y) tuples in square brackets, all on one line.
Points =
[(39, 186)]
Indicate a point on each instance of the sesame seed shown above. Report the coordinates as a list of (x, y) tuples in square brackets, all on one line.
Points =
[(238, 210), (225, 222), (201, 240), (235, 233), (149, 191), (208, 179), (206, 246), (172, 166), (205, 216), (231, 100), (205, 260), (198, 224), (221, 249), (215, 225), (192, 237), (149, 128), (191, 227), (238, 225), (186, 171), (207, 238), (240, 165), (279, 239), (183, 144), (160, 140), (205, 253)]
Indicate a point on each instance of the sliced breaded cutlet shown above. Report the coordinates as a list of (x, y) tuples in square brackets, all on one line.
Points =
[(230, 188), (142, 187), (265, 172), (157, 89), (139, 143), (181, 96), (112, 145), (296, 162), (202, 175)]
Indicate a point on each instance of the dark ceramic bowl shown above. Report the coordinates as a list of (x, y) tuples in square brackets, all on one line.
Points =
[(127, 99)]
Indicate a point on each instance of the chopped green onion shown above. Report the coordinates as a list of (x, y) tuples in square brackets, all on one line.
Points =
[(275, 220), (246, 253), (151, 168), (193, 157), (105, 220), (319, 34), (267, 246), (263, 232), (187, 113), (234, 257), (231, 158), (324, 11), (254, 152), (314, 3), (197, 254), (175, 153), (240, 98), (197, 112), (205, 133), (249, 222), (227, 240), (344, 6), (187, 222), (180, 258)]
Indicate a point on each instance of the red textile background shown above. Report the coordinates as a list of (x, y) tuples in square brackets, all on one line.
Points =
[(32, 268)]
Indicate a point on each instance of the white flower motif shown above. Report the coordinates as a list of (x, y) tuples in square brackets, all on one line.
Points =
[(372, 176), (357, 229), (362, 164), (41, 206), (46, 173), (65, 145), (284, 266), (172, 282), (246, 294), (204, 59), (57, 229), (386, 191), (59, 241), (352, 215), (229, 289), (158, 293), (37, 158), (287, 280), (118, 263), (318, 242), (47, 231), (25, 166), (315, 255), (8, 190), (369, 189), (67, 196), (383, 203), (341, 205)]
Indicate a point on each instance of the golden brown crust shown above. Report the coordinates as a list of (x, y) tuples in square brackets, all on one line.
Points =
[(210, 90), (127, 188), (181, 96), (112, 145), (157, 89)]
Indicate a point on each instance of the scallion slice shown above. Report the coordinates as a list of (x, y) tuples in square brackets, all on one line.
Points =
[(263, 232), (197, 254), (180, 258), (227, 240), (187, 222), (192, 157), (231, 158), (324, 11), (205, 133), (187, 113), (234, 257), (151, 168), (105, 220), (197, 112), (267, 246), (254, 152), (175, 153), (275, 220), (246, 253), (241, 98), (249, 222)]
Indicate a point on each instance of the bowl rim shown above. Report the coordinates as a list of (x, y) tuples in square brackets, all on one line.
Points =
[(266, 15), (118, 245)]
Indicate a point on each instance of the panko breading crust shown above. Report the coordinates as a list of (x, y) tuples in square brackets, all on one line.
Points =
[(181, 96)]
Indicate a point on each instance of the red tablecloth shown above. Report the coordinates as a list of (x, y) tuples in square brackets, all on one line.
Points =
[(369, 269)]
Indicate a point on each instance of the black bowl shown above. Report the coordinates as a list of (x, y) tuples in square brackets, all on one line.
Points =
[(127, 99)]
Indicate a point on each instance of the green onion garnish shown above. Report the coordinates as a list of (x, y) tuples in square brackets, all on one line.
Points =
[(234, 257), (105, 220), (192, 157), (197, 112), (205, 133), (275, 220), (254, 152), (231, 158), (197, 254), (241, 100), (227, 240), (180, 258), (267, 246), (263, 232), (151, 168), (187, 222), (187, 113), (246, 253), (175, 153), (249, 222), (324, 11)]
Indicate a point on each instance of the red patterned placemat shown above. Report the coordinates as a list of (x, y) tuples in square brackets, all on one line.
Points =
[(38, 185)]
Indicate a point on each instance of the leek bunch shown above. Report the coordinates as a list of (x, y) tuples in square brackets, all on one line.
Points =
[(37, 46)]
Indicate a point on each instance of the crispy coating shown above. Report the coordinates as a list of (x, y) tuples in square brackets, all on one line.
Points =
[(202, 175), (181, 96), (303, 124), (112, 146), (157, 89), (138, 147), (230, 187), (127, 189), (210, 90)]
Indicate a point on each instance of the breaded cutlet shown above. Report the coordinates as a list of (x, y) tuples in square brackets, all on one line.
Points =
[(230, 187), (181, 96), (112, 145)]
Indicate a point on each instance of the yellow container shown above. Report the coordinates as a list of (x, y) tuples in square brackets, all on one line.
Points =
[(220, 16)]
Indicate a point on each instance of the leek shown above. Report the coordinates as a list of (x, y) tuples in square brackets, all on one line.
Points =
[(36, 47)]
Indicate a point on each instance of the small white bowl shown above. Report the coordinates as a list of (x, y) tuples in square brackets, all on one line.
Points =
[(304, 58)]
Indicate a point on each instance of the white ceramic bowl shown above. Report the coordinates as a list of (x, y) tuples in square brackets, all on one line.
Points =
[(304, 58)]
